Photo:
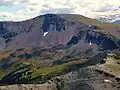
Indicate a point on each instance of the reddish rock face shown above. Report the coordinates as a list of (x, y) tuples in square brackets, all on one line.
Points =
[(60, 31), (30, 33)]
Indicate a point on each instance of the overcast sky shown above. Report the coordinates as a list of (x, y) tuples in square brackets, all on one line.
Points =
[(16, 10)]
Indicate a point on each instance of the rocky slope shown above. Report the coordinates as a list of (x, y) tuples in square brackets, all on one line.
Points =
[(80, 79), (45, 86), (43, 48), (31, 33), (59, 29)]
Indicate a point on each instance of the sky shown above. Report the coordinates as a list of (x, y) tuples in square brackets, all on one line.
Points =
[(18, 10)]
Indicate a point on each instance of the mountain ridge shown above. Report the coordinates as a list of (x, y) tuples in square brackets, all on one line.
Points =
[(12, 32)]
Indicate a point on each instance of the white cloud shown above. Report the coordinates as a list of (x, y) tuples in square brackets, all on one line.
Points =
[(34, 8)]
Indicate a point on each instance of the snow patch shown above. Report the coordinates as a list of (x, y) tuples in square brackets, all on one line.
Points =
[(107, 81), (45, 33), (90, 43), (89, 25)]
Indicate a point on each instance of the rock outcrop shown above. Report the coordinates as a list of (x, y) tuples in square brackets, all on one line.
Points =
[(45, 86)]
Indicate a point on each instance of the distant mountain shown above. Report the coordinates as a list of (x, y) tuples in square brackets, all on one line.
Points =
[(104, 19), (117, 22), (110, 19), (108, 16)]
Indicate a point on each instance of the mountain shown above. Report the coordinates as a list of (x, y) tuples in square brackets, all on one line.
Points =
[(117, 22), (103, 19), (30, 33), (108, 16), (64, 50), (59, 28)]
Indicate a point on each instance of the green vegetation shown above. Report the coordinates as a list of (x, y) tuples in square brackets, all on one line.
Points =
[(2, 74), (117, 56), (33, 73), (118, 63), (33, 70), (49, 72)]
